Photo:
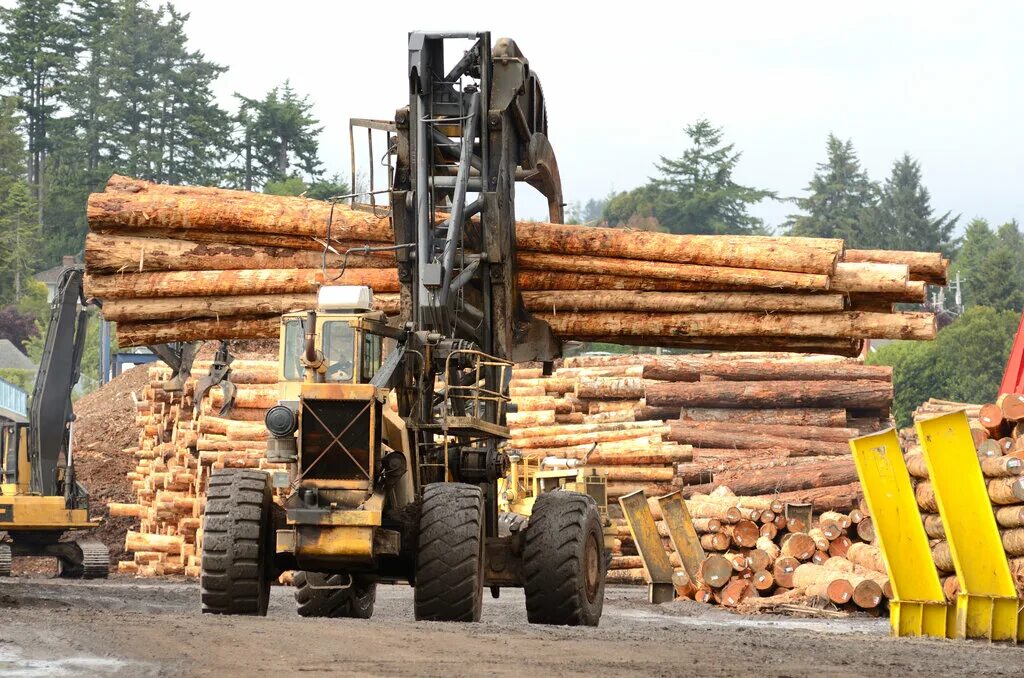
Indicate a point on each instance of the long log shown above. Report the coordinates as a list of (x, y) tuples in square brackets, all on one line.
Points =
[(839, 498), (833, 473), (714, 274), (848, 324), (184, 308), (106, 253), (930, 267), (764, 370), (701, 438), (768, 416), (681, 302), (814, 433), (245, 327), (871, 278), (835, 346), (739, 394), (219, 283)]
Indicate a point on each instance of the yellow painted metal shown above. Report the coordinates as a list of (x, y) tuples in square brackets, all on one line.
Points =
[(682, 533), (649, 545), (918, 607), (987, 605), (36, 512), (320, 541)]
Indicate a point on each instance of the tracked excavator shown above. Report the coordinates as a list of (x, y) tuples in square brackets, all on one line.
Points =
[(391, 432), (40, 499)]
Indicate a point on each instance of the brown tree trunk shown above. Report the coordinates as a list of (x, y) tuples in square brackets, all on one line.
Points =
[(929, 267), (767, 416), (830, 474), (245, 327), (701, 438), (813, 433), (765, 370)]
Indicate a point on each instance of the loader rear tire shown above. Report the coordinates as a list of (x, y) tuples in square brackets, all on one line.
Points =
[(237, 543), (355, 602), (563, 561), (449, 562)]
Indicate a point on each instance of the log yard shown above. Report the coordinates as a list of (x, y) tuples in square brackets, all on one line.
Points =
[(407, 422)]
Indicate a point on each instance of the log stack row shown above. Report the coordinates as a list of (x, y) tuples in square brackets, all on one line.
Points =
[(773, 428), (176, 454), (998, 431), (756, 559), (182, 263)]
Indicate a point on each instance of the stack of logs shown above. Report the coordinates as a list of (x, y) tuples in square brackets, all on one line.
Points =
[(998, 432), (175, 263), (177, 453), (753, 551)]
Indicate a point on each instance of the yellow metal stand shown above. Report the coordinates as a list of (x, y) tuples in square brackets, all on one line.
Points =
[(682, 533), (918, 607), (649, 545), (987, 605)]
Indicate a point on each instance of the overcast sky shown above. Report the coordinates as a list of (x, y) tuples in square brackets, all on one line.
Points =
[(940, 80)]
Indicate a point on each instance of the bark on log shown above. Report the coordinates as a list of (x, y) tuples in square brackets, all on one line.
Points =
[(848, 325), (148, 333), (768, 416), (709, 275), (740, 394), (812, 433), (930, 267), (870, 278), (839, 498), (834, 473), (700, 438), (839, 346), (681, 302), (766, 370), (225, 283), (610, 387), (105, 253)]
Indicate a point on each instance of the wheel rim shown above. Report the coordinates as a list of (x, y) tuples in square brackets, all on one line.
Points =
[(591, 567)]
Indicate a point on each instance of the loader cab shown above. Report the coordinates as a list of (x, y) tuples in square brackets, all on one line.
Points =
[(352, 355)]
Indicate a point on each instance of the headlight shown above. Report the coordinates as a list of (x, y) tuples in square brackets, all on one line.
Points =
[(281, 421)]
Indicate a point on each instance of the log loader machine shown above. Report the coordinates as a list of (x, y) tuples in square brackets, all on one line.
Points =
[(40, 499), (394, 461)]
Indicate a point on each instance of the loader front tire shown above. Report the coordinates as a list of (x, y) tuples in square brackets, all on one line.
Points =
[(449, 562), (316, 599), (237, 543), (563, 561)]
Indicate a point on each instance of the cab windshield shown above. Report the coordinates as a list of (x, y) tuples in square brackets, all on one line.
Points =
[(338, 346)]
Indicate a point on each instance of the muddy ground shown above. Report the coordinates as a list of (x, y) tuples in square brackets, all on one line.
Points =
[(127, 627)]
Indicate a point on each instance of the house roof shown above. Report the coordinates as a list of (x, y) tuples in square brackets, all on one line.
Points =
[(13, 359), (51, 275)]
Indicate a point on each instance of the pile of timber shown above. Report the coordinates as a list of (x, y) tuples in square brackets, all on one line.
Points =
[(774, 428), (756, 559), (176, 454), (998, 432), (182, 263)]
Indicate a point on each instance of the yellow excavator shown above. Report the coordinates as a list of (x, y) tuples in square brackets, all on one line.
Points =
[(40, 500)]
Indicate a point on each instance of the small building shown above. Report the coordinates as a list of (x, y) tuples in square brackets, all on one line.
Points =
[(51, 276), (11, 358)]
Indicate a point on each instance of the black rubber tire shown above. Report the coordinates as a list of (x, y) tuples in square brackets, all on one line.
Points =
[(237, 543), (449, 559), (564, 565), (354, 602)]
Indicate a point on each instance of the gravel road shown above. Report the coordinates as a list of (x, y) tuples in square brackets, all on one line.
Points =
[(127, 627)]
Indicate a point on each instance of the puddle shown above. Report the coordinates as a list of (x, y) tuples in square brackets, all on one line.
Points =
[(12, 665)]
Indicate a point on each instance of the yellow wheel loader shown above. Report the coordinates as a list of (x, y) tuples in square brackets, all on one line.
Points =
[(394, 455)]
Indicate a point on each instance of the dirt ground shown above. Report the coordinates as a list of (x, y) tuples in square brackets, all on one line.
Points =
[(126, 627)]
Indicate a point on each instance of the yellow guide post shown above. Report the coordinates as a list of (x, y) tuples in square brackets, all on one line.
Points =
[(987, 605), (918, 607), (649, 545), (681, 532)]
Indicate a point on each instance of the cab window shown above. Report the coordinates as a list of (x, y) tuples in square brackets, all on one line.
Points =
[(294, 344), (339, 350), (371, 357)]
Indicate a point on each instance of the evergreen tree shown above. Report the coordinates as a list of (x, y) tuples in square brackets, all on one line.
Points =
[(905, 217), (36, 58), (695, 193), (277, 132), (839, 201), (991, 266), (19, 237)]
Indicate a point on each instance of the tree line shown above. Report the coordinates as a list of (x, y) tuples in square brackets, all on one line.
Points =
[(94, 87)]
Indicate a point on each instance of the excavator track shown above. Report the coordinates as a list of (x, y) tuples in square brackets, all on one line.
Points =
[(95, 559), (5, 560)]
